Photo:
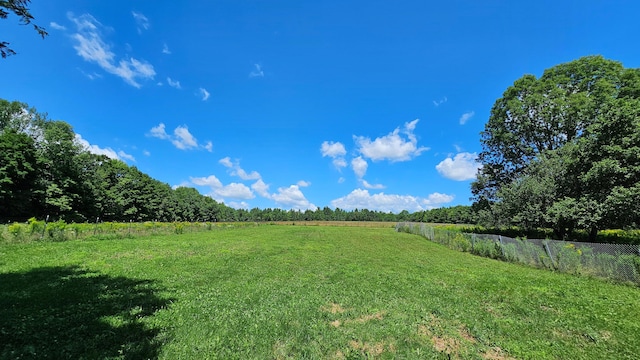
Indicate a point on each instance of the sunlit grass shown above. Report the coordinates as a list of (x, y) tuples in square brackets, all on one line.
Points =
[(304, 292)]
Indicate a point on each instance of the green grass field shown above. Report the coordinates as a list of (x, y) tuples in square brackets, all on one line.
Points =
[(313, 292)]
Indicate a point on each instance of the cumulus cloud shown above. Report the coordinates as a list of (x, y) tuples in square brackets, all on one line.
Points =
[(204, 94), (463, 166), (141, 21), (210, 180), (181, 138), (393, 146), (332, 149), (292, 197), (303, 183), (174, 83), (257, 71), (90, 46), (466, 117), (236, 170), (261, 189), (336, 151), (367, 185), (226, 162), (238, 205), (362, 199), (359, 166), (108, 152), (233, 190)]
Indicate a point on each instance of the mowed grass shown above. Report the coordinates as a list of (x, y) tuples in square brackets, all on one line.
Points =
[(278, 292)]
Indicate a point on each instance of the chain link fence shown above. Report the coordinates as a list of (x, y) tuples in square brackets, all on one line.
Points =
[(619, 262)]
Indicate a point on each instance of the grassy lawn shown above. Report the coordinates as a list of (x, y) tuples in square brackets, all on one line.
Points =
[(315, 292)]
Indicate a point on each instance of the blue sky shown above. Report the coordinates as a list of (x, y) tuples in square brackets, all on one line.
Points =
[(299, 104)]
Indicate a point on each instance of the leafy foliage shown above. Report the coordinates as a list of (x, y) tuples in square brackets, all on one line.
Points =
[(562, 151)]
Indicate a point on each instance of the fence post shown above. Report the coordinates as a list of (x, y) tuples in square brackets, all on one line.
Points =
[(545, 244), (473, 242), (44, 228), (501, 247)]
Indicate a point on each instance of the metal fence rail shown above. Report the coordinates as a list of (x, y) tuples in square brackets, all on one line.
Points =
[(619, 262)]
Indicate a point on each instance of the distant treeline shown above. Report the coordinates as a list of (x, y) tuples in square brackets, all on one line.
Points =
[(45, 171)]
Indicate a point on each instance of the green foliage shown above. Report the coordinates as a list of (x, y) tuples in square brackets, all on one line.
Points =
[(561, 151)]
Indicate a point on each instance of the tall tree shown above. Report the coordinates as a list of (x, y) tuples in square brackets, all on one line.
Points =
[(537, 115)]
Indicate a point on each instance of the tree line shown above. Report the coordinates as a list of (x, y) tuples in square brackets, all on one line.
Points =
[(563, 151), (45, 171)]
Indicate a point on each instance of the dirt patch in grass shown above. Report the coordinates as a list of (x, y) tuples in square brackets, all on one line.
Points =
[(367, 318), (372, 349), (465, 334), (447, 345), (495, 353), (333, 308), (336, 323)]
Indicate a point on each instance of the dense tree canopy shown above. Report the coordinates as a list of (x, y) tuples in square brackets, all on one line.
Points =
[(562, 151)]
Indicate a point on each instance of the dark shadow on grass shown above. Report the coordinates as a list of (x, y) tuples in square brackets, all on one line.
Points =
[(71, 313)]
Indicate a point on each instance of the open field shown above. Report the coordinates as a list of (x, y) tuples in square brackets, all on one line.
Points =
[(300, 292)]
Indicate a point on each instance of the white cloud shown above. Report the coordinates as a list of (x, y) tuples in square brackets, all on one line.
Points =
[(303, 183), (174, 83), (292, 197), (54, 25), (236, 170), (141, 21), (254, 175), (332, 149), (159, 132), (124, 155), (239, 205), (367, 185), (341, 180), (339, 163), (108, 152), (261, 189), (181, 138), (204, 93), (257, 72), (226, 162), (437, 103), (92, 48), (437, 198), (165, 49), (392, 147), (463, 166), (210, 180), (336, 151), (362, 199), (235, 191), (359, 166), (146, 153), (466, 117)]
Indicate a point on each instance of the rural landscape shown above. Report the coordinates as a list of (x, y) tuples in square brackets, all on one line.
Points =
[(106, 257)]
